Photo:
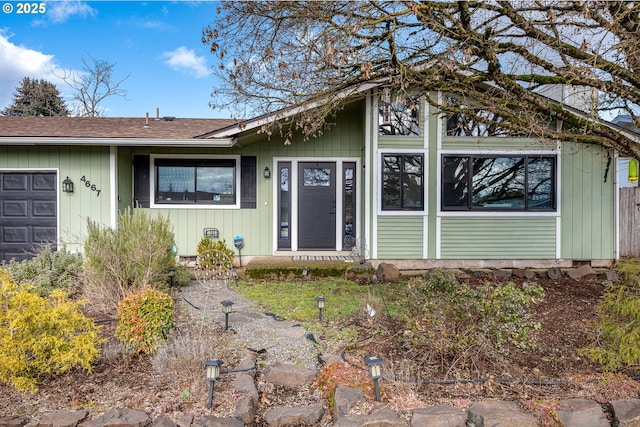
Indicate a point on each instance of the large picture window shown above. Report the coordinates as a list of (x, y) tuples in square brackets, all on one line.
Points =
[(195, 181), (515, 183), (402, 182)]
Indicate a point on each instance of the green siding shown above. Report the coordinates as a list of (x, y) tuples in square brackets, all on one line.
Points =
[(346, 139), (75, 162), (400, 237), (498, 238), (498, 144), (587, 206)]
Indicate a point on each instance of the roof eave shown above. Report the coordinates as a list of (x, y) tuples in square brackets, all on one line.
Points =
[(145, 142)]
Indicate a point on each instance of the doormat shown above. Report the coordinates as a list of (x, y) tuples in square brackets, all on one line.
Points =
[(320, 258)]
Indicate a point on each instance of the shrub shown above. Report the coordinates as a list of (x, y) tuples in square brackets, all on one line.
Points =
[(42, 337), (50, 269), (214, 254), (453, 318), (181, 275), (145, 317), (617, 325), (139, 252)]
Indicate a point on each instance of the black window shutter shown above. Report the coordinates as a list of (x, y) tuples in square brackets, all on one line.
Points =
[(141, 181), (248, 182)]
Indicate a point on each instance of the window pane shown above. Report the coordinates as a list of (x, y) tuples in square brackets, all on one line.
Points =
[(455, 182), (317, 177), (540, 183), (349, 204), (498, 183), (398, 115), (391, 182), (215, 183), (412, 182), (176, 183)]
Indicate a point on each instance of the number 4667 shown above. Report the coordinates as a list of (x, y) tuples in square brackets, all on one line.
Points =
[(90, 186)]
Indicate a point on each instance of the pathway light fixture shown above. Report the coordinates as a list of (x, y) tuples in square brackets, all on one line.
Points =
[(374, 364), (212, 373)]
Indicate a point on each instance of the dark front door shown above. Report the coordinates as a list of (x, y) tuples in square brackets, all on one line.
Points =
[(317, 205), (28, 212)]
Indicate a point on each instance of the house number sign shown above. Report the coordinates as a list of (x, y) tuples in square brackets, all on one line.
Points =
[(90, 186)]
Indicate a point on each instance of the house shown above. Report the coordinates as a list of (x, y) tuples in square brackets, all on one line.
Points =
[(392, 180)]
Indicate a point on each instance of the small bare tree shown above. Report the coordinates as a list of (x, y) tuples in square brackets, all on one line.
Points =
[(93, 85)]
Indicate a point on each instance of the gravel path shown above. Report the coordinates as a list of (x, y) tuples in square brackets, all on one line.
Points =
[(278, 341)]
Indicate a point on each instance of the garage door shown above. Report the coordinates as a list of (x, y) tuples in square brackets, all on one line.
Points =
[(28, 210)]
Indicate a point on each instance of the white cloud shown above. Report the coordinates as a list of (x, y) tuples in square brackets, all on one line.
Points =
[(59, 12), (183, 59), (18, 62)]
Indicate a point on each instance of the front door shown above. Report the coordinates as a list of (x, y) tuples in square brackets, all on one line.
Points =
[(317, 205)]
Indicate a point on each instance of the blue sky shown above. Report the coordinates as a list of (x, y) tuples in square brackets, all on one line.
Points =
[(157, 43)]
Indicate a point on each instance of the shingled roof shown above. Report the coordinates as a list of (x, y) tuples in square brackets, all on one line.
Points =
[(110, 127)]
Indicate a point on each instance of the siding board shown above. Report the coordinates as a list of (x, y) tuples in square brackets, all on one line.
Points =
[(400, 237), (498, 238)]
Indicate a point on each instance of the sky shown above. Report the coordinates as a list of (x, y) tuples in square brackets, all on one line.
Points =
[(157, 44)]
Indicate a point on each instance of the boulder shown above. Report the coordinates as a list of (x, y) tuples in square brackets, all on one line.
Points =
[(387, 272), (439, 416), (293, 416), (345, 398), (626, 413), (291, 376), (499, 413), (62, 419), (581, 413), (121, 417)]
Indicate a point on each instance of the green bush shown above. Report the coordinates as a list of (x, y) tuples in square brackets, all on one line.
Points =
[(181, 275), (50, 269), (618, 326), (214, 254), (136, 254), (42, 337), (145, 317), (458, 321)]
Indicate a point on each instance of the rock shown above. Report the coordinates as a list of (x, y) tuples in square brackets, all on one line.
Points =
[(345, 398), (382, 418), (555, 273), (439, 416), (523, 273), (580, 272), (121, 417), (293, 416), (211, 421), (611, 276), (291, 376), (248, 365), (581, 413), (164, 421), (626, 413), (62, 419), (500, 413), (185, 420), (246, 410), (245, 384), (503, 274), (387, 272), (13, 421)]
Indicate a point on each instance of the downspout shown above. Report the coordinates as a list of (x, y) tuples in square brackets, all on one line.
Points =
[(113, 185)]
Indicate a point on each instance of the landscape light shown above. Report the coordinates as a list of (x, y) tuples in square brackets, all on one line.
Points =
[(320, 301), (374, 364), (212, 373), (226, 309)]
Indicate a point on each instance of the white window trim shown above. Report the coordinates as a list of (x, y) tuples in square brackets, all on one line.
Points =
[(152, 181), (381, 152), (515, 152)]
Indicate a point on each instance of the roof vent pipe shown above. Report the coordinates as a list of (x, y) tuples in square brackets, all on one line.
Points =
[(146, 122), (157, 113)]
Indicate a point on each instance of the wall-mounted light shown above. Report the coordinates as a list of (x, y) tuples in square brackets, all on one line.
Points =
[(67, 185), (266, 173)]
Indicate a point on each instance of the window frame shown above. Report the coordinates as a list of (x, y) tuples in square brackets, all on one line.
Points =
[(194, 159), (469, 208), (387, 105), (402, 209)]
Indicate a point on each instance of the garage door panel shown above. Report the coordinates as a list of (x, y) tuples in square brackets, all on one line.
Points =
[(44, 208), (14, 208), (44, 183), (15, 235), (28, 212), (15, 182)]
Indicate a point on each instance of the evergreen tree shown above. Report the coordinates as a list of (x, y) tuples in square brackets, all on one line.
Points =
[(38, 98)]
